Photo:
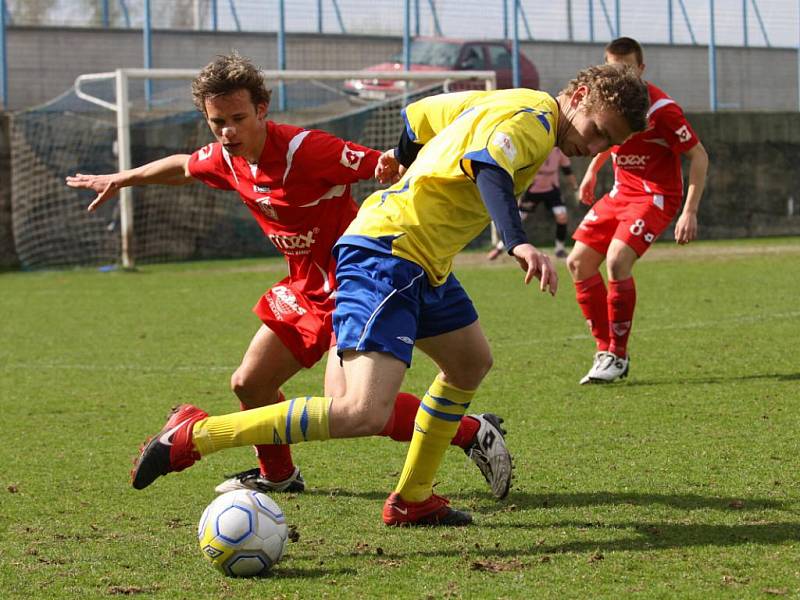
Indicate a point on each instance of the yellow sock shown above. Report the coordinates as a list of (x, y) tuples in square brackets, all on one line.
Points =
[(296, 420), (434, 427)]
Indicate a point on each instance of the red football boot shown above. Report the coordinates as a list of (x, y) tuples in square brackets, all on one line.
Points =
[(433, 511), (171, 449)]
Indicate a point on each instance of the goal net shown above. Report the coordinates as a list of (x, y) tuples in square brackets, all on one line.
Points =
[(112, 121)]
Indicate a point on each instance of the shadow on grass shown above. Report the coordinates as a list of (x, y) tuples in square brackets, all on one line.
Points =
[(285, 573), (647, 536), (525, 501), (713, 379)]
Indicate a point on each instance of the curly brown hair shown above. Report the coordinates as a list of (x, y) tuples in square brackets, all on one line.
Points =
[(615, 87), (227, 74)]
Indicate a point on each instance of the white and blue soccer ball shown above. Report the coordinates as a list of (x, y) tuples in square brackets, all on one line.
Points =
[(243, 533)]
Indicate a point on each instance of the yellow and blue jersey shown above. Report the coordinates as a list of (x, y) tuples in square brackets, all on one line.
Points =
[(435, 210)]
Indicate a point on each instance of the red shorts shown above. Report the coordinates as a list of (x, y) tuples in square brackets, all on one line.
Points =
[(635, 220), (303, 324)]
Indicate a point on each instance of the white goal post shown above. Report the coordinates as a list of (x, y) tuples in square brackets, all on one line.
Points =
[(121, 107)]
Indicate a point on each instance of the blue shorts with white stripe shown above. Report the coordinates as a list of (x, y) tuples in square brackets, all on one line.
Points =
[(385, 303)]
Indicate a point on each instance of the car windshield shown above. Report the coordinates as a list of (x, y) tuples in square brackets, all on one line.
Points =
[(434, 54)]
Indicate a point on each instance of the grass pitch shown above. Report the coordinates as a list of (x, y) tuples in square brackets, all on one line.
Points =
[(680, 482)]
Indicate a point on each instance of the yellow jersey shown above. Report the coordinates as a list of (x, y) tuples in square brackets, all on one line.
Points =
[(436, 209)]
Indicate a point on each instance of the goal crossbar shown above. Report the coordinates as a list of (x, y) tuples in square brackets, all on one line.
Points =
[(121, 106)]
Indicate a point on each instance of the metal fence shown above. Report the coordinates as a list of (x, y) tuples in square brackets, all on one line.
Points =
[(709, 23), (737, 22)]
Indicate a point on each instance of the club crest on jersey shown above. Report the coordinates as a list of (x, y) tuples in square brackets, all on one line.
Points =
[(506, 145), (351, 158), (266, 208), (282, 301), (683, 133), (205, 152)]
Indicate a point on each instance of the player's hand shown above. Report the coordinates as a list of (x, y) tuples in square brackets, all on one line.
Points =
[(686, 228), (388, 169), (536, 264), (586, 190), (106, 186)]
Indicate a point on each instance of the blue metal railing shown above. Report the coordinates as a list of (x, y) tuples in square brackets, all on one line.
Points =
[(609, 16), (3, 59)]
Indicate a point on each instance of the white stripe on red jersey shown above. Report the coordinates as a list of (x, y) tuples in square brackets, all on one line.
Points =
[(649, 162)]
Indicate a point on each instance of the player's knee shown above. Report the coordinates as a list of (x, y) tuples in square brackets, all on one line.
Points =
[(560, 215), (469, 374), (362, 415), (618, 266), (618, 271), (239, 384), (575, 266), (249, 391)]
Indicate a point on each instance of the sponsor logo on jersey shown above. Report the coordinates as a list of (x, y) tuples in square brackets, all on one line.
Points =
[(503, 141), (282, 301), (261, 189), (633, 161), (683, 133), (205, 152), (266, 208), (294, 244), (352, 158)]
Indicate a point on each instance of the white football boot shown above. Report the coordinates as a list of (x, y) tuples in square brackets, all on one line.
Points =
[(490, 454), (254, 480), (611, 368), (598, 360)]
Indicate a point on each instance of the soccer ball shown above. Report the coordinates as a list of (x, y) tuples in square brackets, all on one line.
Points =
[(243, 533)]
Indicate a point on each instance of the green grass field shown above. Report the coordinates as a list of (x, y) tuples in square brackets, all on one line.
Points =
[(680, 482)]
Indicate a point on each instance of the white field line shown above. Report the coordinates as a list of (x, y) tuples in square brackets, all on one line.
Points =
[(195, 368), (141, 368)]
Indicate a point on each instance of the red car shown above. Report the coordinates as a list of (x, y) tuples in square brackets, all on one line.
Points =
[(438, 54)]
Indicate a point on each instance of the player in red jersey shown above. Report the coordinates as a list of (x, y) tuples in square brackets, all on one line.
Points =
[(621, 226), (296, 183)]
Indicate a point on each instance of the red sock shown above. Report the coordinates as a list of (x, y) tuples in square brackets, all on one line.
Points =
[(274, 460), (592, 298), (621, 304), (400, 426)]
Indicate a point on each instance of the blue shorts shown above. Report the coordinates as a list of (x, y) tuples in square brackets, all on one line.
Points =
[(385, 303)]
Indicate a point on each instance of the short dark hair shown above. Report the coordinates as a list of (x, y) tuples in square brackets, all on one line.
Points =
[(623, 46), (226, 74), (615, 87)]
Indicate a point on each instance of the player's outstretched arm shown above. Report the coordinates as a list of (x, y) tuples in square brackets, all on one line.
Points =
[(172, 170), (586, 189), (686, 227), (536, 264)]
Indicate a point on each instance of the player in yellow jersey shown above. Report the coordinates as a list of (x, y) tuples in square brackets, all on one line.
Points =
[(461, 161)]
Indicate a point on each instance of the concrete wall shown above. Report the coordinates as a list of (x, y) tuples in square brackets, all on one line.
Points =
[(747, 78), (752, 176), (8, 256), (43, 62)]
